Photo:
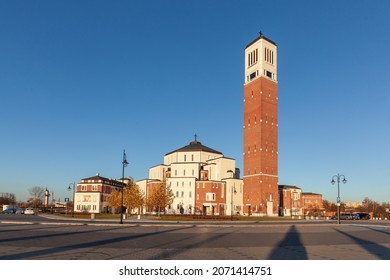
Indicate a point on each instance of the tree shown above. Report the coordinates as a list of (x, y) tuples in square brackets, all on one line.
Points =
[(161, 196), (7, 198), (115, 199), (132, 198), (329, 206), (368, 205), (38, 194)]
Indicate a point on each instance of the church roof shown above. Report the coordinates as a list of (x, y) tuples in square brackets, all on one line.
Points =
[(258, 38), (195, 146)]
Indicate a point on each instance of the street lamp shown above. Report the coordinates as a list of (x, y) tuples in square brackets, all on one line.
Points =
[(69, 189), (342, 178), (124, 164)]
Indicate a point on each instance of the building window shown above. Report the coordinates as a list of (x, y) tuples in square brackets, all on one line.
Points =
[(185, 157), (253, 57), (94, 188), (83, 188), (252, 76), (269, 56), (210, 196), (192, 157)]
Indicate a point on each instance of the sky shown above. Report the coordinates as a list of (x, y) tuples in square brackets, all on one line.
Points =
[(81, 81)]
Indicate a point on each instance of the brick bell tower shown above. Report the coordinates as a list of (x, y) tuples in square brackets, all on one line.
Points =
[(261, 129)]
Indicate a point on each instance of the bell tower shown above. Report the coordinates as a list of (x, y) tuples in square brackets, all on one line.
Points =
[(260, 176)]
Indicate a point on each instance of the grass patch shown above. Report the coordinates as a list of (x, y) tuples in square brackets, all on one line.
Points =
[(87, 216)]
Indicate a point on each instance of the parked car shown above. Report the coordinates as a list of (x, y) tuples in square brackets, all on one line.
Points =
[(20, 211), (29, 211), (344, 217), (8, 211), (356, 216), (364, 216)]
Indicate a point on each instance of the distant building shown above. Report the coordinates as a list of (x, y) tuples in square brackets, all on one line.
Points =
[(290, 201), (312, 203), (352, 205), (202, 179), (92, 193)]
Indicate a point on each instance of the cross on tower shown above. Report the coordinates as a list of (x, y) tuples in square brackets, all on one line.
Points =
[(196, 136)]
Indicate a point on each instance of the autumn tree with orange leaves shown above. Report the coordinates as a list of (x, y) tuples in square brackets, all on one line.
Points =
[(161, 196), (133, 198)]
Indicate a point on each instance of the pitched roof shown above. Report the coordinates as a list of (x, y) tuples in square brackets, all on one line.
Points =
[(99, 179), (195, 146), (258, 38)]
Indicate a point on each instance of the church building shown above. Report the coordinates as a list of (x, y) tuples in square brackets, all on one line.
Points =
[(202, 180)]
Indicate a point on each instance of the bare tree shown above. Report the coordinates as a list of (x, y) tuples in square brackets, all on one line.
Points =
[(7, 198), (37, 195)]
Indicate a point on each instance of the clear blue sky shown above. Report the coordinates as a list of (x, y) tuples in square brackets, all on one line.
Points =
[(82, 80)]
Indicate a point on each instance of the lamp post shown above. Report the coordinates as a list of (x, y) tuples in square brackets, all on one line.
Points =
[(69, 189), (124, 164), (342, 178)]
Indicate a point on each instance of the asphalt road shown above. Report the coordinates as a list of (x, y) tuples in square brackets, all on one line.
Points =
[(35, 237)]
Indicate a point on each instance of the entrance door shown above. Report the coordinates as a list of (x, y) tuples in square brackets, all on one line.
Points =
[(270, 207), (222, 210), (249, 210)]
